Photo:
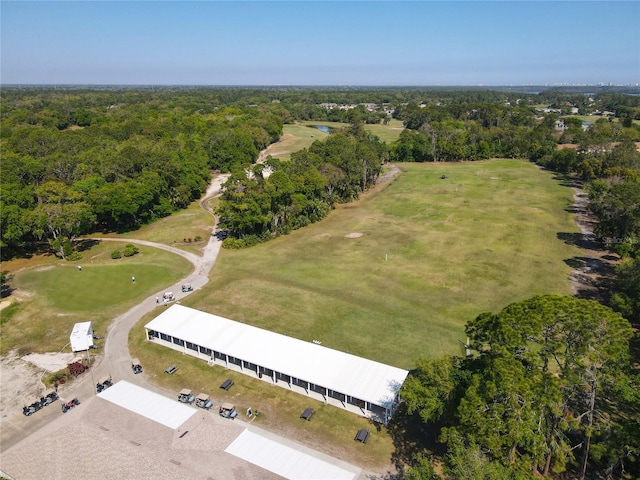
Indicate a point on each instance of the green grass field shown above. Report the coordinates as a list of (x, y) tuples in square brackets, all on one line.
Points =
[(52, 294), (433, 255), (176, 229), (301, 135)]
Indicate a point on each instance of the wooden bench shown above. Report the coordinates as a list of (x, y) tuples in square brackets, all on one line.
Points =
[(171, 369), (227, 384), (362, 435), (307, 414)]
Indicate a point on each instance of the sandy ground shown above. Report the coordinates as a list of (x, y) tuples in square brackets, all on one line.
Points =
[(595, 268), (19, 384)]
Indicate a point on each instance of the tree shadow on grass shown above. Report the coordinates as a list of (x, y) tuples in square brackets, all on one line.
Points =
[(86, 244), (594, 277), (410, 436), (580, 240), (567, 180)]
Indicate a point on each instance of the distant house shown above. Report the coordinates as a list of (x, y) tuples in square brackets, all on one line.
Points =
[(81, 337)]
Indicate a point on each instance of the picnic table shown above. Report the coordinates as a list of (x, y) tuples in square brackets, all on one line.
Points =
[(171, 369), (307, 414), (227, 384), (362, 435)]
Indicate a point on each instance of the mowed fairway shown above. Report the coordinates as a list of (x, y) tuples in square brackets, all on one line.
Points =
[(297, 136), (434, 253)]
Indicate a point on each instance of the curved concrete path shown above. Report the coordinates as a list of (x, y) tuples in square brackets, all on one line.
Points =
[(115, 359)]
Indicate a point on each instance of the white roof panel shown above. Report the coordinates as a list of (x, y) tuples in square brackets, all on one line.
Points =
[(283, 460), (80, 329), (151, 405), (358, 377)]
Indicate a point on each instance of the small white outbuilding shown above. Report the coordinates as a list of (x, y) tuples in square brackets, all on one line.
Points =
[(81, 337)]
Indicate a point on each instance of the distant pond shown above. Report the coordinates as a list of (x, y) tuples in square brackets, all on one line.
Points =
[(323, 128)]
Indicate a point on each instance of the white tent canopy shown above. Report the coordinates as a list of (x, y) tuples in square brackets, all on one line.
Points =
[(366, 380)]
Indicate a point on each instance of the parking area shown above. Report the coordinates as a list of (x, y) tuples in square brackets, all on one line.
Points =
[(111, 437)]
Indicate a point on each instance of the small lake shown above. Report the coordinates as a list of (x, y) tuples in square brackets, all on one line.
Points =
[(322, 128)]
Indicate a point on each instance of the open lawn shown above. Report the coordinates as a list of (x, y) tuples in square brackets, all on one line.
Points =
[(180, 229), (433, 255), (51, 294), (301, 135)]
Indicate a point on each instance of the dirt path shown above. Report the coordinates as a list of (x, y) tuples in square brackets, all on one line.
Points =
[(594, 270)]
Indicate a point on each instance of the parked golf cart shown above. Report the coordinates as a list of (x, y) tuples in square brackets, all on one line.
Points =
[(227, 410), (187, 288), (203, 401), (66, 406), (104, 384), (185, 396), (53, 396), (136, 366), (31, 409), (47, 399)]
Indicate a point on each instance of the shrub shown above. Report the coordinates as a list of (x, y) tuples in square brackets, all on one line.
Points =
[(74, 256), (130, 250), (67, 248), (116, 254)]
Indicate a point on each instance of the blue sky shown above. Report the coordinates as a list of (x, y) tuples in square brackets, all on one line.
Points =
[(320, 43)]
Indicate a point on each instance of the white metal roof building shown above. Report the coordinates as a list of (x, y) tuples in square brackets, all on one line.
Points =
[(354, 383), (81, 337)]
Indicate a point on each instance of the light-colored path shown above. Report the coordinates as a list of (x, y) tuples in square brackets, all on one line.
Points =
[(116, 360)]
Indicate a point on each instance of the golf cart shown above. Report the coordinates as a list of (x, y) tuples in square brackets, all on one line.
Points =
[(104, 384), (168, 297), (135, 366), (185, 396), (66, 406), (187, 288), (227, 410), (31, 409), (203, 401)]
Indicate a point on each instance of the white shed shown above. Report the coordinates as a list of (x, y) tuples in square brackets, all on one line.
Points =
[(81, 337)]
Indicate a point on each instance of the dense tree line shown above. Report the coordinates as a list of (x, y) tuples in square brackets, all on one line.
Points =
[(276, 197), (610, 172), (549, 388), (77, 162), (476, 131)]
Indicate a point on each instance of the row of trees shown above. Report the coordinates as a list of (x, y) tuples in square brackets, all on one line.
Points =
[(77, 163), (611, 175), (276, 197), (550, 388), (460, 132)]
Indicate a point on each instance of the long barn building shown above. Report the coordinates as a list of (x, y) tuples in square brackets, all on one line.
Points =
[(353, 383)]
